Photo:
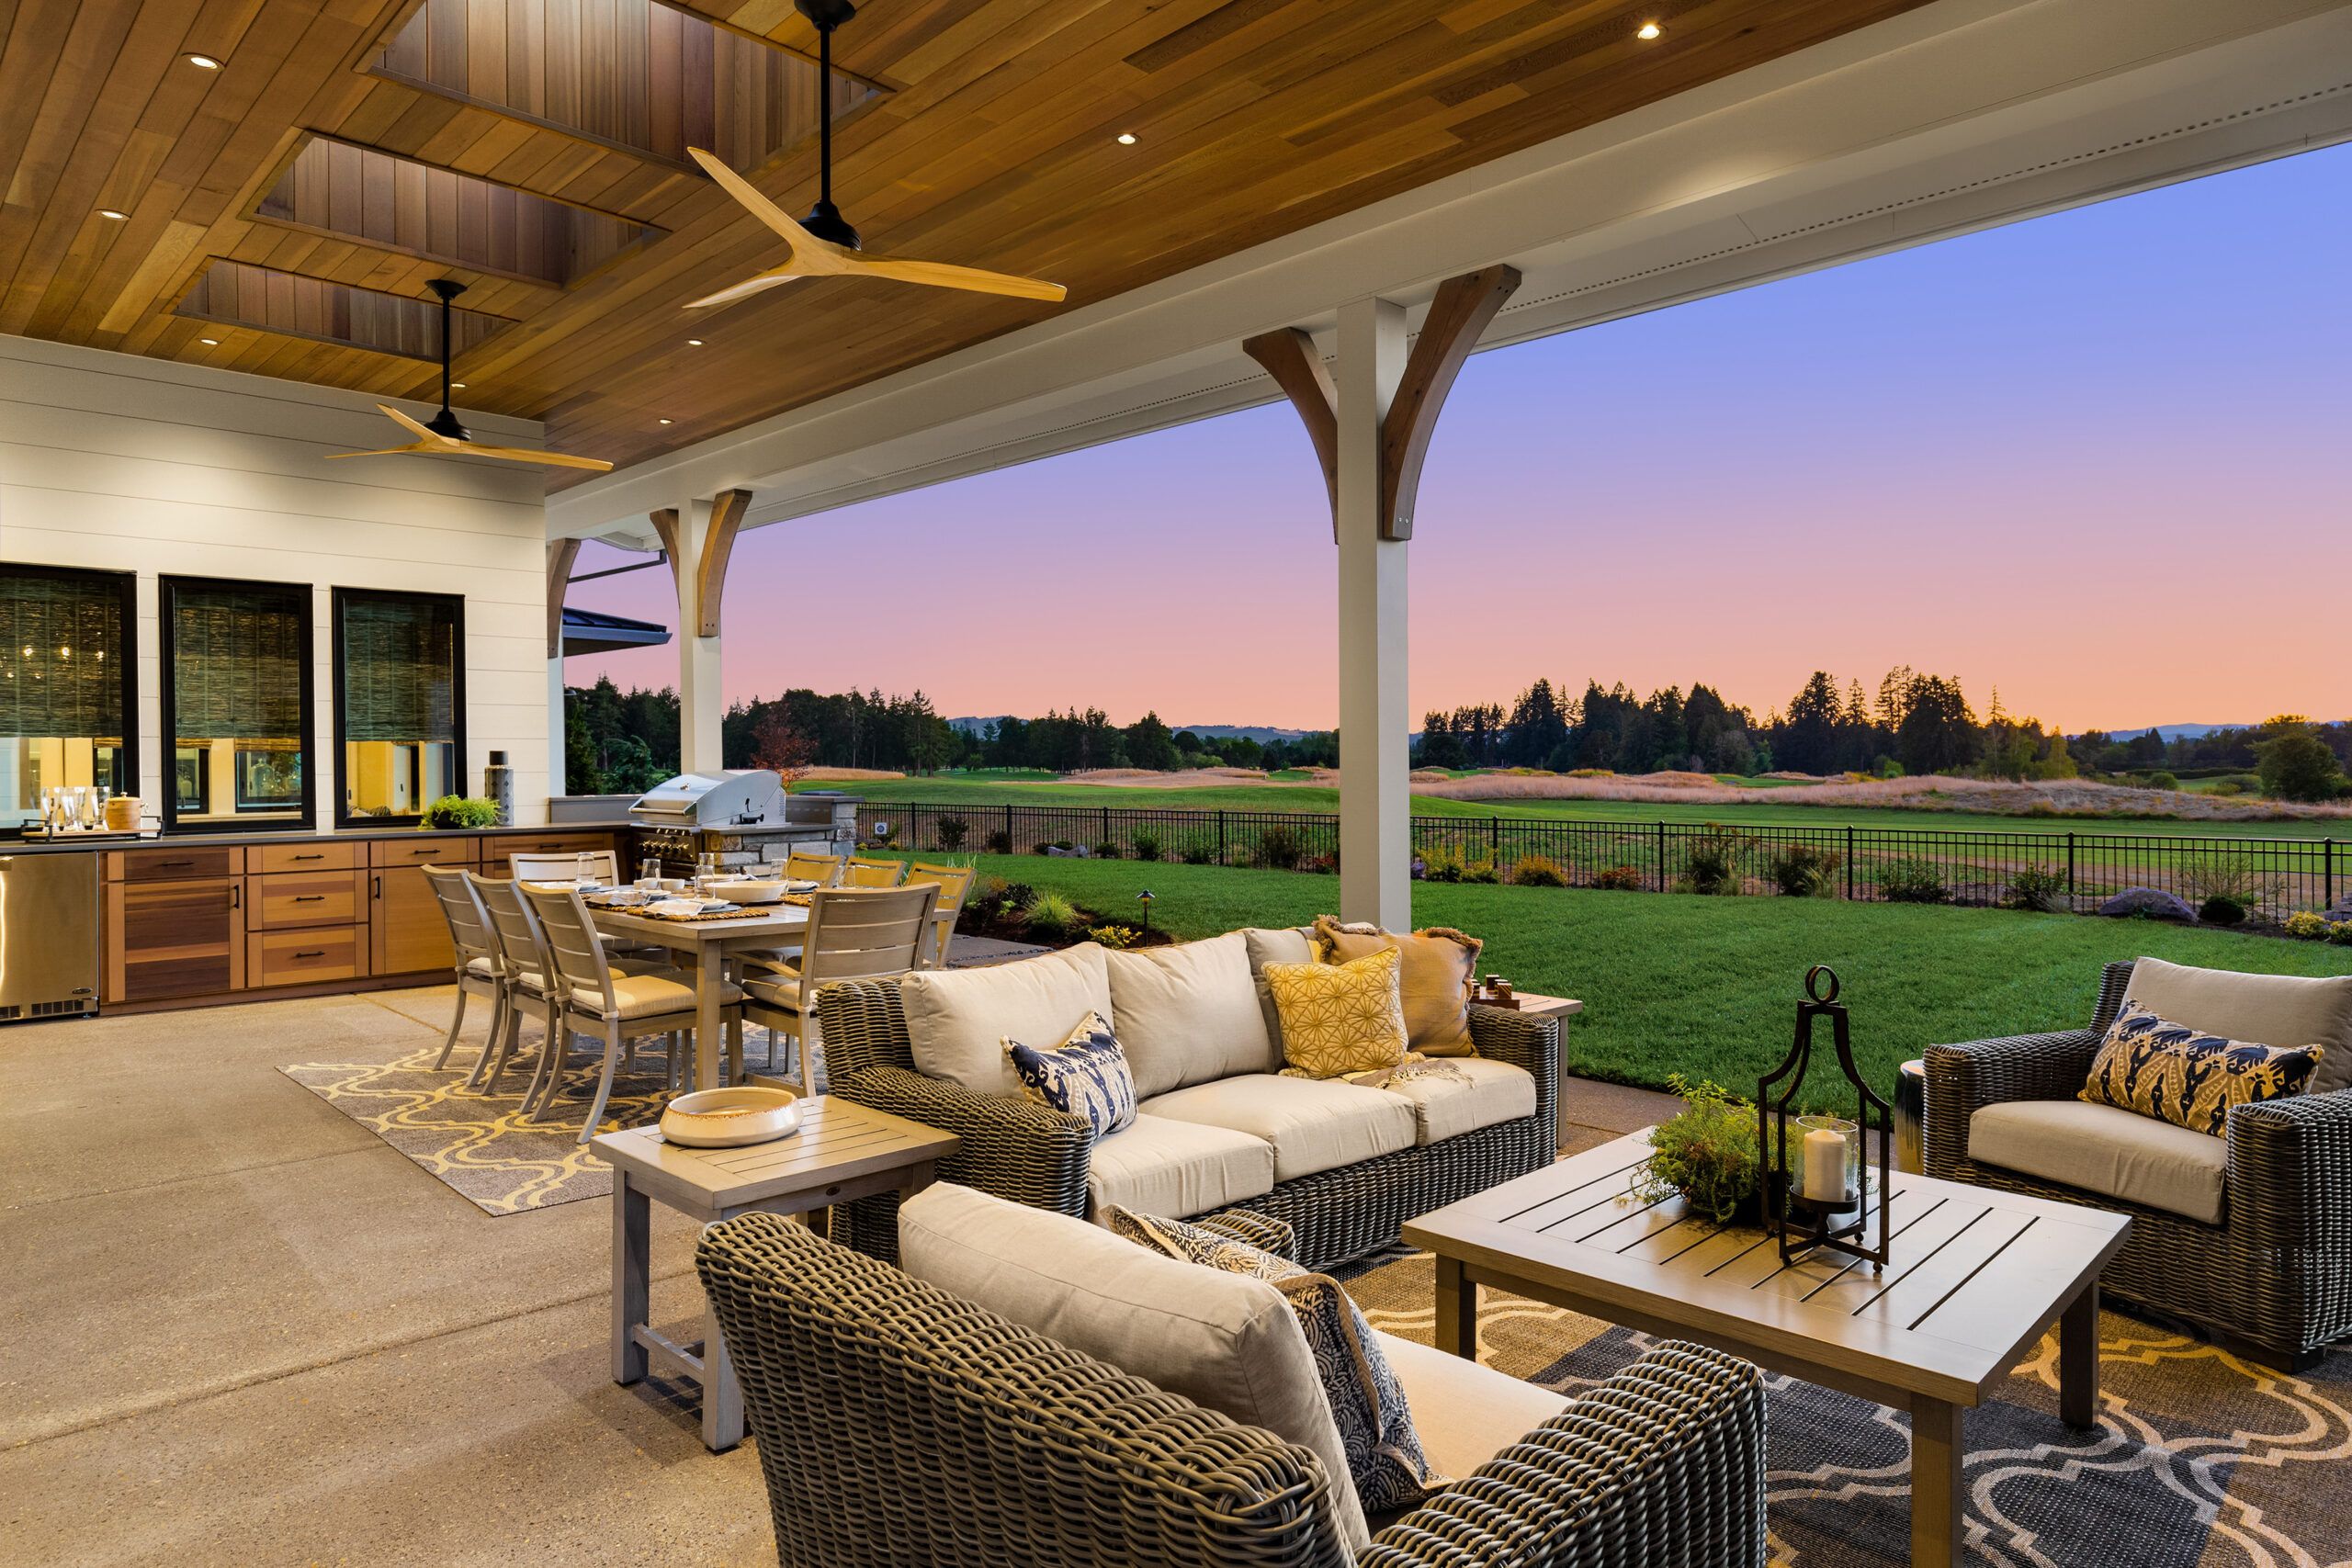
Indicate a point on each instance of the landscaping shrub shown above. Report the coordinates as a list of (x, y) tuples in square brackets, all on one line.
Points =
[(1112, 936), (1109, 849), (1198, 851), (952, 832), (998, 842), (1280, 849), (1620, 879), (2307, 925), (1050, 914), (1803, 871), (2221, 910), (2039, 888), (1712, 862), (1442, 863), (2239, 878), (2340, 933), (1911, 881), (2160, 779), (1538, 871), (1146, 846), (1480, 870)]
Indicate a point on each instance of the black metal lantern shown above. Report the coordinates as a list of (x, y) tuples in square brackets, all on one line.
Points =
[(1823, 1198)]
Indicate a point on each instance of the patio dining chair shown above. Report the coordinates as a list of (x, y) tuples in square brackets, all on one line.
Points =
[(807, 865), (954, 884), (479, 963), (604, 866), (853, 933), (587, 994), (525, 964), (862, 872)]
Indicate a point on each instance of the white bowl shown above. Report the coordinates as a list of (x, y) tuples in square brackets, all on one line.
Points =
[(729, 1118), (748, 892)]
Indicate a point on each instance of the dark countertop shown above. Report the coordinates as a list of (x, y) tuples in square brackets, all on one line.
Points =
[(183, 840)]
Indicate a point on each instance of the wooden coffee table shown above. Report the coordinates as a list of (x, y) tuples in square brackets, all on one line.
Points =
[(1975, 1276)]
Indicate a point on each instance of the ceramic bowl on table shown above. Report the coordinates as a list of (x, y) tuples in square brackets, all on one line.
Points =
[(748, 892), (730, 1118)]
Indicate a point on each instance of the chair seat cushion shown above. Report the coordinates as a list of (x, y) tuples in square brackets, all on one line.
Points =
[(1159, 1166), (1189, 1013), (1225, 1341), (649, 996), (1464, 1094), (1465, 1414), (958, 1018), (1312, 1123), (2103, 1150)]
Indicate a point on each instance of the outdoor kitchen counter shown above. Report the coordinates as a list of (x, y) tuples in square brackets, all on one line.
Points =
[(14, 846)]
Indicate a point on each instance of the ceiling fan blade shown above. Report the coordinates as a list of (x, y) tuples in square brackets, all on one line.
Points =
[(405, 423), (749, 195), (942, 274), (387, 451), (749, 286), (525, 454)]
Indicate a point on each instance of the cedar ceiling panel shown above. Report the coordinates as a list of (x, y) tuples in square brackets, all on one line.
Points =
[(989, 141)]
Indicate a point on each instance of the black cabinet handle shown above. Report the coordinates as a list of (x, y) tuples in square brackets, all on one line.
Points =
[(172, 864), (313, 953), (308, 897), (236, 895), (377, 891), (310, 857)]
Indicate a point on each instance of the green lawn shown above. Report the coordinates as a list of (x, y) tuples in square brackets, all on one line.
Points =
[(1708, 987), (1011, 790)]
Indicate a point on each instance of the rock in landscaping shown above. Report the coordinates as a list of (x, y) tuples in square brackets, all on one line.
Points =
[(2152, 903), (2341, 913)]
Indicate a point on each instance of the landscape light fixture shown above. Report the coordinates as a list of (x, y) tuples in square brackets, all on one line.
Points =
[(1144, 898), (203, 62), (1648, 30)]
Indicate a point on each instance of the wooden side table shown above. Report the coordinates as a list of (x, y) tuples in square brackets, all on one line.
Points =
[(841, 1151)]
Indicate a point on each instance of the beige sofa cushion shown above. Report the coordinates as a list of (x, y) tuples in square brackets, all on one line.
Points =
[(2101, 1149), (1312, 1123), (1465, 1414), (1225, 1341), (1189, 1013), (2274, 1009), (958, 1018), (1178, 1169), (1281, 944), (1487, 1093)]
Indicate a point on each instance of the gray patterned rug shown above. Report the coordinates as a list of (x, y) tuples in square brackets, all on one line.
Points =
[(2201, 1460)]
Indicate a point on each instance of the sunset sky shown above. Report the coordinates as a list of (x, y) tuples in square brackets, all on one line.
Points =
[(2102, 461)]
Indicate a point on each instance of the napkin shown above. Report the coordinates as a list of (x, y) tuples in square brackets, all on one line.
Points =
[(674, 908)]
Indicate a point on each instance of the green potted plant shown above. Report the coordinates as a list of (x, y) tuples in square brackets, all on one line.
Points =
[(459, 811), (1705, 1154)]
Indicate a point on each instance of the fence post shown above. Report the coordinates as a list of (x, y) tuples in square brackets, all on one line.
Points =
[(1008, 830), (2327, 872), (1220, 835), (1661, 856), (2070, 871), (1494, 842), (1105, 837), (1849, 863)]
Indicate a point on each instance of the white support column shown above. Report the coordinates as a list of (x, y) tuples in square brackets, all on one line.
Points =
[(555, 727), (699, 705), (1375, 801)]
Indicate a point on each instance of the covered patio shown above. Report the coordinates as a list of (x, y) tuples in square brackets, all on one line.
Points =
[(306, 1273)]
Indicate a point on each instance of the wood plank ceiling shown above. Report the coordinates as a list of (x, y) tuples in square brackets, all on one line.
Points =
[(994, 145)]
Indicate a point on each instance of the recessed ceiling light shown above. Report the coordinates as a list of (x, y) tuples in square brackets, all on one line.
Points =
[(112, 216), (204, 62), (456, 386), (694, 342), (666, 422), (1648, 30), (1126, 138), (209, 342)]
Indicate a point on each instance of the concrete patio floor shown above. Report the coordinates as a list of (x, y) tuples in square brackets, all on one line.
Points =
[(244, 1330)]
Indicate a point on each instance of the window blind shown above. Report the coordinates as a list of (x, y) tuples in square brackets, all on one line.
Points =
[(237, 658), (60, 664), (400, 661)]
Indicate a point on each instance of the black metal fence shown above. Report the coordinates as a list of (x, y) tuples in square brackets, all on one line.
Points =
[(2059, 869)]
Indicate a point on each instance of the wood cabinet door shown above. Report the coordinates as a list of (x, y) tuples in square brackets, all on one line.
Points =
[(407, 931), (306, 898), (175, 939)]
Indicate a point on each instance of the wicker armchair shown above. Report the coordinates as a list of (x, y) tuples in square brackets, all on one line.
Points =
[(898, 1425), (2274, 1279), (1031, 1155)]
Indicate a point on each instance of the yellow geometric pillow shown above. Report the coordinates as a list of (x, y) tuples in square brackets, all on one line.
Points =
[(1339, 1018)]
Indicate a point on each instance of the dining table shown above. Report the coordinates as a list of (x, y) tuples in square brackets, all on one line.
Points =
[(706, 945)]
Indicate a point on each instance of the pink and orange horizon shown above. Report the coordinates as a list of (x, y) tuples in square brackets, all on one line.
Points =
[(2096, 461)]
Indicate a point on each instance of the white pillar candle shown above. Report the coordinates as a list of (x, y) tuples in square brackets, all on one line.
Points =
[(1825, 1165)]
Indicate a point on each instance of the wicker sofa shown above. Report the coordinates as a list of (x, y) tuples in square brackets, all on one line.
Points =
[(899, 1426), (1026, 1152), (2247, 1237)]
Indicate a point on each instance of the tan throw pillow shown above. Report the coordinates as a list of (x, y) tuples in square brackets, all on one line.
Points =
[(1441, 969), (1339, 1018)]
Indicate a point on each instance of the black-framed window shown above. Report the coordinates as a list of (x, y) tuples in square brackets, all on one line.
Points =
[(237, 704), (68, 684), (399, 702)]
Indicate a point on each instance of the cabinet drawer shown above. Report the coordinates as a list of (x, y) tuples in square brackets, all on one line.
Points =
[(308, 898), (497, 849), (270, 859), (425, 849), (296, 958), (192, 862)]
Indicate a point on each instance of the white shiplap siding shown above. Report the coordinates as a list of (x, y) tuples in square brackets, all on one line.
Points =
[(123, 463)]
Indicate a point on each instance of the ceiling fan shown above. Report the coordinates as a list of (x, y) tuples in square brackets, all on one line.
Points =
[(442, 436), (822, 244)]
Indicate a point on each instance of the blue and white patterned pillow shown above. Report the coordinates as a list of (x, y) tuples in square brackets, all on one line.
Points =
[(1086, 1073), (1368, 1406)]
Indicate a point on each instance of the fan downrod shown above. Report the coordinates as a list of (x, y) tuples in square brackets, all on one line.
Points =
[(825, 219), (445, 423)]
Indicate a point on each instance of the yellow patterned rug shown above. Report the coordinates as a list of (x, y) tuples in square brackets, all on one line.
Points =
[(2200, 1460), (479, 1144)]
